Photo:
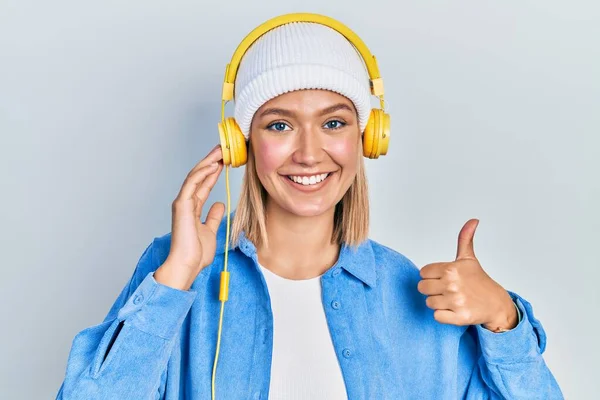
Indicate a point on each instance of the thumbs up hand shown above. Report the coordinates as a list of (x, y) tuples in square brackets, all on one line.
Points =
[(461, 293)]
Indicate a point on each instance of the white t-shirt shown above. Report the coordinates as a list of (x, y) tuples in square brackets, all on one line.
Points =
[(304, 364)]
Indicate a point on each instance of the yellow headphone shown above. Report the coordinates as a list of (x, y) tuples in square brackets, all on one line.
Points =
[(377, 131), (233, 142)]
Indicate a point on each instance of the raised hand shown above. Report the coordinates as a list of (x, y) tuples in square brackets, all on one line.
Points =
[(462, 293), (193, 243)]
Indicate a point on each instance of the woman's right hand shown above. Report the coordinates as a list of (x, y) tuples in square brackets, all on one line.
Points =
[(193, 243)]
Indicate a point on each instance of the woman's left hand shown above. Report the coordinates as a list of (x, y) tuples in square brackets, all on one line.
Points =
[(462, 293)]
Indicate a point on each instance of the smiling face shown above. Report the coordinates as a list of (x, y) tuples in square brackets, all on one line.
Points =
[(306, 148)]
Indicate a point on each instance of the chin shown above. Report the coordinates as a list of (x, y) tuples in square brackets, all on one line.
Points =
[(307, 210)]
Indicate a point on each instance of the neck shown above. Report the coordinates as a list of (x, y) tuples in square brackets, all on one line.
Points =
[(299, 247)]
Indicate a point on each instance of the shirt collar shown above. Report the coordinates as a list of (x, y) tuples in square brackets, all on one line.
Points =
[(358, 260)]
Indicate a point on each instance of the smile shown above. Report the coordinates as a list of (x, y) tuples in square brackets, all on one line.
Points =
[(308, 180), (308, 183)]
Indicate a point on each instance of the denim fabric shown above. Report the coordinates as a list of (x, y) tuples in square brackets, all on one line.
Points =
[(159, 342)]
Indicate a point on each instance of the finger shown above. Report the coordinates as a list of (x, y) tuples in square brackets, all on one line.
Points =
[(446, 317), (431, 287), (433, 271), (465, 240), (437, 302), (190, 184), (214, 155), (214, 216), (203, 189)]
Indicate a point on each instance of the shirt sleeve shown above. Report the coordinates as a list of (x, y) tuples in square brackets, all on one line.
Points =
[(126, 355), (511, 365)]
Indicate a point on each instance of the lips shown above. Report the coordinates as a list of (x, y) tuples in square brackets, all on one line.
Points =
[(306, 180), (297, 181)]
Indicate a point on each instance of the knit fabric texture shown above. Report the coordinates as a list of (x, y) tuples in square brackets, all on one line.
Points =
[(300, 55)]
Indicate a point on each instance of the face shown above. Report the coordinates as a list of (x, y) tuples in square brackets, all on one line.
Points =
[(306, 149)]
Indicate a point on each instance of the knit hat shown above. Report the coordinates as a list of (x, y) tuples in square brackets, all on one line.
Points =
[(300, 55)]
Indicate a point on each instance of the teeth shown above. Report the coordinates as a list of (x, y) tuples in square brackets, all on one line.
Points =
[(308, 180)]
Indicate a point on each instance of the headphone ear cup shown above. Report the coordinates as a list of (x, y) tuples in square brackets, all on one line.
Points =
[(376, 137), (233, 143)]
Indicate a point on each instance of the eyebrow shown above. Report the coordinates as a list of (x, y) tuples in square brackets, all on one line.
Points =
[(291, 114)]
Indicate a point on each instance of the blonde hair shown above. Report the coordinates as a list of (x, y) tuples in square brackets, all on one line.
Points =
[(351, 216)]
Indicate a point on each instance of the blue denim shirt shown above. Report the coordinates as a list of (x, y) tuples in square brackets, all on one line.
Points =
[(158, 342)]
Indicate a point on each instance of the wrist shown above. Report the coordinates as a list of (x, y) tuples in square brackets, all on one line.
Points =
[(165, 276), (505, 321)]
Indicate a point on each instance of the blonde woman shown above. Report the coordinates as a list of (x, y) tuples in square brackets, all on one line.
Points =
[(316, 310)]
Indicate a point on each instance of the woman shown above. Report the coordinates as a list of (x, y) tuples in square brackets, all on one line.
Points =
[(317, 310)]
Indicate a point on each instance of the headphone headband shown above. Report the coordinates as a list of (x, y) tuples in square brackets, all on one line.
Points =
[(370, 61)]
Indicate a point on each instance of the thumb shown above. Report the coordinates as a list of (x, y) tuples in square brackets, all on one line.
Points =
[(465, 240), (214, 216)]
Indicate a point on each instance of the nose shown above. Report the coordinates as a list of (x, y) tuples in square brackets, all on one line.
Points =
[(309, 148)]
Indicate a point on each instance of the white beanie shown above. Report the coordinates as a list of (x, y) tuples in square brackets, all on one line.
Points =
[(300, 55)]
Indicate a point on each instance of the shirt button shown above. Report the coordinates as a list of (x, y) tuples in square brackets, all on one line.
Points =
[(336, 272), (347, 353), (138, 299), (256, 395), (335, 304)]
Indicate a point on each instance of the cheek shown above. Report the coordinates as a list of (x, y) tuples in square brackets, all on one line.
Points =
[(344, 151), (270, 155)]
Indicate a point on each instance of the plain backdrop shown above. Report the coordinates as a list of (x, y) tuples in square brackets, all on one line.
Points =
[(106, 106)]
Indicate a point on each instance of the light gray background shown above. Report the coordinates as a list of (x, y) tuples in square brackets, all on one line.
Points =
[(105, 106)]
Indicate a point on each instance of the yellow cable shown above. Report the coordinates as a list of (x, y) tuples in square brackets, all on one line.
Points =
[(224, 289), (228, 94)]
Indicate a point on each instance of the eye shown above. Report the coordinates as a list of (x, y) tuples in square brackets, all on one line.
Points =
[(279, 126), (335, 124)]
